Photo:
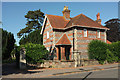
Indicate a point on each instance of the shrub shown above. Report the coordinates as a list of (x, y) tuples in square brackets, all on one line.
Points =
[(115, 49), (110, 56), (35, 53), (97, 50)]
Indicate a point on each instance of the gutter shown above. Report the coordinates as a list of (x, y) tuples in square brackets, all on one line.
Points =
[(81, 26)]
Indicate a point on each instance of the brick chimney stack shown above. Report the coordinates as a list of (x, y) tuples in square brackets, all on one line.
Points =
[(98, 18), (66, 13)]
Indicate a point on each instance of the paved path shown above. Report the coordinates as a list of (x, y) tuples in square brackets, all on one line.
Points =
[(44, 73)]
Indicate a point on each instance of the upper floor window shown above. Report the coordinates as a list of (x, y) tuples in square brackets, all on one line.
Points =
[(98, 33), (47, 34), (85, 32)]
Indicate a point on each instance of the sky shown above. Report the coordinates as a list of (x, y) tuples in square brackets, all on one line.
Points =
[(13, 12)]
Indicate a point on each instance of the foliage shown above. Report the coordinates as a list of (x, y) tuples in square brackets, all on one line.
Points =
[(17, 55), (9, 61), (97, 50), (34, 22), (110, 56), (35, 53), (33, 37), (113, 34), (115, 50), (7, 44), (102, 51)]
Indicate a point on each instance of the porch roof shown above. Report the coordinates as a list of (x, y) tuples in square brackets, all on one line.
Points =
[(64, 40)]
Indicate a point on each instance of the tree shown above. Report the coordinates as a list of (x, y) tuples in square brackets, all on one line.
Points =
[(113, 34), (34, 37), (8, 42), (34, 22)]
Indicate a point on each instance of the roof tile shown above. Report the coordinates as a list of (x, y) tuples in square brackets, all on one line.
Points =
[(81, 20), (64, 41), (57, 21)]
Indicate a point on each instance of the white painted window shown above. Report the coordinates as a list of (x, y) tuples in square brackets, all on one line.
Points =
[(98, 33), (47, 35), (85, 32)]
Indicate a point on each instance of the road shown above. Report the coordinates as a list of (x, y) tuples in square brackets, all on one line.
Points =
[(111, 73), (106, 71)]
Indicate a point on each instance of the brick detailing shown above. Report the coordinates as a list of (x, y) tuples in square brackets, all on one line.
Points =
[(70, 36), (58, 35), (82, 42), (64, 40), (75, 39), (48, 43)]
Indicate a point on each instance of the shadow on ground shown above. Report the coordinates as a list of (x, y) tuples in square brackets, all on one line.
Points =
[(8, 69)]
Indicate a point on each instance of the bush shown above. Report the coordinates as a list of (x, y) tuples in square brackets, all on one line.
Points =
[(35, 53), (97, 50), (110, 56), (115, 50)]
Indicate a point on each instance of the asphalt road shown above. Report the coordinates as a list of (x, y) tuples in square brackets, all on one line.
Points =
[(109, 73)]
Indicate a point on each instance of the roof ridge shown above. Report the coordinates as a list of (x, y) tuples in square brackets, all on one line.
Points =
[(53, 15), (72, 19), (93, 20), (78, 16)]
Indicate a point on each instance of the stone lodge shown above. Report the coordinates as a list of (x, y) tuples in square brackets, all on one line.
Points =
[(63, 35)]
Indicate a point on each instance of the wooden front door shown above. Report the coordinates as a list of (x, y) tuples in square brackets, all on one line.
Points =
[(67, 52), (59, 53)]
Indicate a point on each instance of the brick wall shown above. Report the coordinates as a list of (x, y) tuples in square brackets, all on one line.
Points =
[(82, 42), (69, 34), (48, 43)]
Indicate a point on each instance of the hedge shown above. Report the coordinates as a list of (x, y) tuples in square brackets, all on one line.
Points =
[(115, 50), (97, 50), (35, 53), (102, 51)]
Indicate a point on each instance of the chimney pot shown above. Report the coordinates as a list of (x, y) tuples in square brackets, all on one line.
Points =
[(98, 18), (66, 13)]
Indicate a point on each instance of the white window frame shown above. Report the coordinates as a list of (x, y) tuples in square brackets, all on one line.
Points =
[(47, 35), (98, 33), (85, 32)]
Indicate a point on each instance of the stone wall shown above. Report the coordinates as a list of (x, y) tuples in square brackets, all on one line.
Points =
[(65, 64), (82, 42), (57, 64), (48, 43)]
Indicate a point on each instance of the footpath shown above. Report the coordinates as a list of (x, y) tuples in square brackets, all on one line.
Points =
[(44, 73)]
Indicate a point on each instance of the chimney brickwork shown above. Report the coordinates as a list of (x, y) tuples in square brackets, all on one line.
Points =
[(66, 13), (98, 18)]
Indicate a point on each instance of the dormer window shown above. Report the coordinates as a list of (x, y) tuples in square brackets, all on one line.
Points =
[(85, 32), (98, 33), (47, 35)]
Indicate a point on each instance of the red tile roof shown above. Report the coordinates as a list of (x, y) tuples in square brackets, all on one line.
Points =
[(64, 41), (57, 21), (81, 20)]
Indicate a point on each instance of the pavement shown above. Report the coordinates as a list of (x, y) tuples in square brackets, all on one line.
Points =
[(49, 72)]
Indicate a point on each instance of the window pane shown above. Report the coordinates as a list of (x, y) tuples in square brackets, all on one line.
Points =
[(98, 33), (47, 35), (85, 32)]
